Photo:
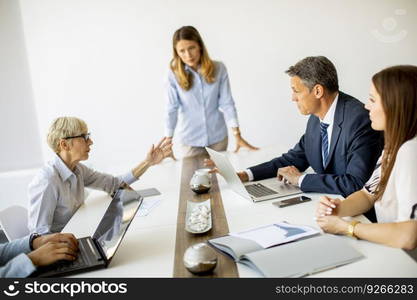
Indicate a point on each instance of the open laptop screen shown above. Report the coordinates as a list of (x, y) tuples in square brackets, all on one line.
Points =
[(116, 220)]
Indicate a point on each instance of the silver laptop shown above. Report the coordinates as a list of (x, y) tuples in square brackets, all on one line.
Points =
[(255, 190)]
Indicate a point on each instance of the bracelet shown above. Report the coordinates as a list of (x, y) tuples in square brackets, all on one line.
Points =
[(351, 229), (32, 237)]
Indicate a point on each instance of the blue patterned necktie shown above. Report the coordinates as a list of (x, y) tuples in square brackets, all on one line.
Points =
[(324, 142)]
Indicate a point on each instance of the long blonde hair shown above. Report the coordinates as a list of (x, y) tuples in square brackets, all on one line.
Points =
[(397, 87), (207, 69)]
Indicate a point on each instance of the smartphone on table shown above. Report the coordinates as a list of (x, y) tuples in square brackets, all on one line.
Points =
[(291, 201)]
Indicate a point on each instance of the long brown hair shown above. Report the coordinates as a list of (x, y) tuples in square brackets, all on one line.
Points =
[(207, 69), (397, 87)]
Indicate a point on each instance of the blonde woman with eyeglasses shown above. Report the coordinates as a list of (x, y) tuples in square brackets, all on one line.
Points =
[(57, 191), (198, 90)]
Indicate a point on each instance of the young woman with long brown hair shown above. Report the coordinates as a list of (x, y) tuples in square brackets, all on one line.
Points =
[(198, 90), (392, 189)]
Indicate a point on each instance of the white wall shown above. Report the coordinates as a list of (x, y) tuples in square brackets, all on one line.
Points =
[(19, 133), (105, 60)]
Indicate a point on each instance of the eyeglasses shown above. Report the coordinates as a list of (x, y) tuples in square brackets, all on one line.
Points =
[(85, 136)]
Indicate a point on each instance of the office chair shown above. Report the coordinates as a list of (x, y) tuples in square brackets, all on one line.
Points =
[(14, 222)]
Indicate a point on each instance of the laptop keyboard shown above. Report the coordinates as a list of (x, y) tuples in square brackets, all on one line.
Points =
[(69, 265), (81, 261), (259, 190)]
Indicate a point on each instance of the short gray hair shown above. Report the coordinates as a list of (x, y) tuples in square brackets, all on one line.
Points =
[(63, 127), (314, 70)]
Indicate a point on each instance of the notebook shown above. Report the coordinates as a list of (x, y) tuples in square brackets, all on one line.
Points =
[(97, 251), (296, 259)]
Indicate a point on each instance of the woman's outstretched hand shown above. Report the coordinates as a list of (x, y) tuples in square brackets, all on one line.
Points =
[(157, 153)]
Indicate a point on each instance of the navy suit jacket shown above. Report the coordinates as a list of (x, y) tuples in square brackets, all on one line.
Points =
[(354, 150)]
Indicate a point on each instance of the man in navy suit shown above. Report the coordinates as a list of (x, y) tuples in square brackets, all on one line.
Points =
[(339, 143), (21, 257)]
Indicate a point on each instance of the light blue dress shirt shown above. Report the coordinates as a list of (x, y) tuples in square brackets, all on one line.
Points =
[(56, 193), (202, 110), (13, 259)]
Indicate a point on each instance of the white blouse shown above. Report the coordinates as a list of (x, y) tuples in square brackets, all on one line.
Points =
[(399, 201)]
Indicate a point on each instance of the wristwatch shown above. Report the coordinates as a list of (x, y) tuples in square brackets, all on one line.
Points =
[(351, 228), (32, 237)]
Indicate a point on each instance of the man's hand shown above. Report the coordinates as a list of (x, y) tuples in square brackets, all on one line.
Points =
[(209, 163), (157, 153), (243, 176), (241, 143), (68, 238), (52, 252), (289, 175)]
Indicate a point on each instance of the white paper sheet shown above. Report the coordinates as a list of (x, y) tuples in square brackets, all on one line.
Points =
[(275, 234)]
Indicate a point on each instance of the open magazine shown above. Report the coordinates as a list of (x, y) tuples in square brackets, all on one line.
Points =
[(238, 243), (267, 250)]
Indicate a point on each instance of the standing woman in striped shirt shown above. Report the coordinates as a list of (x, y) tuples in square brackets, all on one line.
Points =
[(392, 188), (198, 91)]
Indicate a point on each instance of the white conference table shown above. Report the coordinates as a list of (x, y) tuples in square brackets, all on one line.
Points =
[(149, 245)]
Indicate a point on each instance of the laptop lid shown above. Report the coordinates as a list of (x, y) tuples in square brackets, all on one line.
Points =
[(228, 172), (116, 221)]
